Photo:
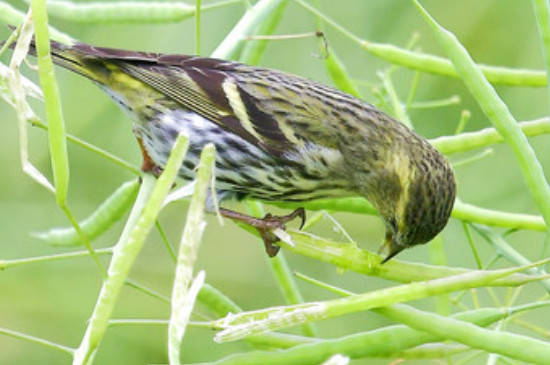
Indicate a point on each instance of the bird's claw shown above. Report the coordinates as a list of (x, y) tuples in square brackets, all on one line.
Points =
[(268, 223)]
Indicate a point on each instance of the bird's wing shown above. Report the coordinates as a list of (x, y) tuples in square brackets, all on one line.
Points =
[(273, 110)]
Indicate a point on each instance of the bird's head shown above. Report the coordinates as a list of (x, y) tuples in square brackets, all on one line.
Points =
[(414, 193)]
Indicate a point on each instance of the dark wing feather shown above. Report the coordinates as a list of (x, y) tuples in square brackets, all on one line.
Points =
[(197, 84)]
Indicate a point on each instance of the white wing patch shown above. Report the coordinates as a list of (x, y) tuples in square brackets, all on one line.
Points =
[(236, 103)]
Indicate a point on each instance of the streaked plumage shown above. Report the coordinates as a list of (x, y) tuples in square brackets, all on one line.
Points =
[(278, 136)]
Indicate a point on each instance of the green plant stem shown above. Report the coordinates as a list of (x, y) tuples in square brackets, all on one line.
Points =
[(84, 239), (508, 344), (472, 213), (349, 257), (37, 340), (150, 292), (467, 141), (339, 74), (56, 131), (127, 248), (111, 287), (432, 351), (497, 112), (290, 290), (383, 342), (504, 249), (10, 15), (462, 211), (126, 11), (17, 93), (107, 155), (7, 264), (221, 305), (281, 272), (542, 14), (98, 222), (186, 287), (198, 18), (397, 106), (432, 104), (251, 19), (244, 324), (434, 64), (209, 296), (254, 49), (473, 158)]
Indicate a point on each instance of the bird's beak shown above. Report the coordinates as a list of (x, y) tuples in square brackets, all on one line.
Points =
[(391, 247)]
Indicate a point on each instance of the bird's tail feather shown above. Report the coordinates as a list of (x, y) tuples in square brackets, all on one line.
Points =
[(69, 58)]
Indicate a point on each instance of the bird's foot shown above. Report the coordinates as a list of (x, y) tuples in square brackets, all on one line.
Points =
[(148, 165), (266, 225)]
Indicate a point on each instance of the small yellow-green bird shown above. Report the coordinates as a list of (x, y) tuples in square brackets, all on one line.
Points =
[(278, 137)]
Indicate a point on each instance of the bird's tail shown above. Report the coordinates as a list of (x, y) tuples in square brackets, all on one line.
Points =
[(73, 59)]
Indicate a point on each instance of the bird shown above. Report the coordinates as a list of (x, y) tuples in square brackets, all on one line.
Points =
[(278, 137)]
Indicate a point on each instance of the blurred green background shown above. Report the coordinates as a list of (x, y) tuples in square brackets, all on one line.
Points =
[(54, 300)]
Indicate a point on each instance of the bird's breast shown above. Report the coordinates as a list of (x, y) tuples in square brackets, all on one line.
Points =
[(242, 168)]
